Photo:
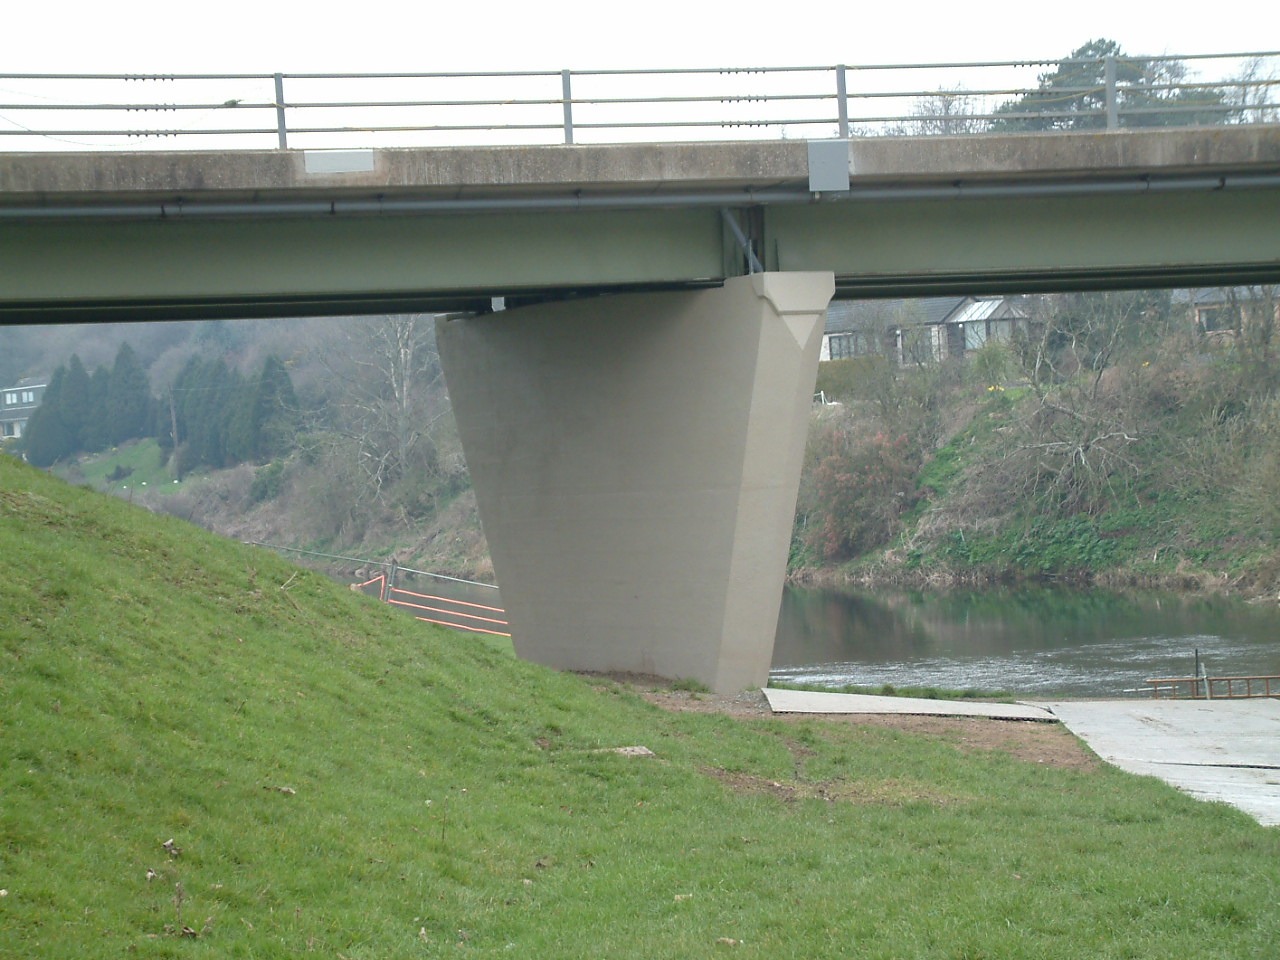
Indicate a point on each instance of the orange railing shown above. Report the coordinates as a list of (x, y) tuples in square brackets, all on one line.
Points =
[(452, 609), (1214, 688), (445, 611), (433, 608)]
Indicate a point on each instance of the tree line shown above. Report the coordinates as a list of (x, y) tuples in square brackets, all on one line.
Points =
[(1073, 95), (212, 416)]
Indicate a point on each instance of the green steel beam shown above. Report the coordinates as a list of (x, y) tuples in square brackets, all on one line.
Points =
[(1011, 243), (99, 269), (261, 263)]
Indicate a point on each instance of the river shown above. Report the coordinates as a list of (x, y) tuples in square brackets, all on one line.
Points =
[(1032, 642)]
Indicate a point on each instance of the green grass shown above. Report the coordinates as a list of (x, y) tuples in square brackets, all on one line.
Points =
[(690, 685), (345, 781), (129, 466)]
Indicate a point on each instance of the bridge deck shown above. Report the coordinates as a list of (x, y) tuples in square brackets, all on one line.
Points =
[(262, 233)]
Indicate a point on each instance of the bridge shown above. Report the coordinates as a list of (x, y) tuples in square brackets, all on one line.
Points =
[(631, 332), (192, 234)]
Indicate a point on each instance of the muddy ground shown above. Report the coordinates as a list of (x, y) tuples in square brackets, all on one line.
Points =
[(1033, 741)]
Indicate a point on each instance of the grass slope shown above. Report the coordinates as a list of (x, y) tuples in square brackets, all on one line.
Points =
[(141, 461), (343, 781)]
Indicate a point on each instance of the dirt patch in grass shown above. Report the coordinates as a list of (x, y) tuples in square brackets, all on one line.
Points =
[(888, 792), (1032, 741)]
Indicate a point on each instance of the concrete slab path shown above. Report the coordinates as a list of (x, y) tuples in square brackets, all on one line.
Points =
[(807, 701), (1219, 750), (1223, 750)]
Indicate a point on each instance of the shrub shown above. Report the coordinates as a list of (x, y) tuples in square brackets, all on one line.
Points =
[(863, 486), (268, 481)]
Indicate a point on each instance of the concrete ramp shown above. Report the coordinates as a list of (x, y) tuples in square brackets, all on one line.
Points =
[(1223, 750), (806, 701)]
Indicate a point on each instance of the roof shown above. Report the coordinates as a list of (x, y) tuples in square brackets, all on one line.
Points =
[(28, 383), (846, 316), (1206, 296)]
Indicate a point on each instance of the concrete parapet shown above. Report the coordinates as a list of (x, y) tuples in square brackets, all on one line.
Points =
[(670, 169), (636, 460)]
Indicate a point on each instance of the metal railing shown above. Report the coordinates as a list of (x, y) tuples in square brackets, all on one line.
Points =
[(391, 584), (1214, 688), (436, 607), (315, 111)]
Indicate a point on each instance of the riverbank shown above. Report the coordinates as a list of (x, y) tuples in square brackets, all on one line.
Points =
[(886, 573)]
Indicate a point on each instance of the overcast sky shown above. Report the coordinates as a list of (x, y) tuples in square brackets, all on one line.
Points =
[(253, 36)]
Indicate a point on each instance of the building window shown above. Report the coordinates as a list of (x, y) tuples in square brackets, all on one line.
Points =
[(975, 335), (1213, 319), (10, 399), (28, 396), (842, 346)]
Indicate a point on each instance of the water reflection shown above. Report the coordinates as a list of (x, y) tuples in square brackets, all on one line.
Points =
[(1035, 641)]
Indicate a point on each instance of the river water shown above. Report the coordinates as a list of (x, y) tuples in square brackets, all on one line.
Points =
[(1032, 642)]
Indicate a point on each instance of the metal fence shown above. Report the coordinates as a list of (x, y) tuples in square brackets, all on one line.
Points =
[(1214, 688), (431, 597), (314, 111)]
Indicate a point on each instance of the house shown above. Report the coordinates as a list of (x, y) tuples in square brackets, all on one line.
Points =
[(923, 330), (16, 404), (1225, 310)]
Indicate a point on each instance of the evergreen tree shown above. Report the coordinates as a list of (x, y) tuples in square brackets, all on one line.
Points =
[(279, 408), (263, 421), (76, 402), (128, 406), (46, 439), (95, 434), (1073, 95), (205, 392)]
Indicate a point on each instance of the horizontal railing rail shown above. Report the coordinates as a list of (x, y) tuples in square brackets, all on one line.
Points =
[(388, 585), (62, 111), (450, 612), (1214, 688)]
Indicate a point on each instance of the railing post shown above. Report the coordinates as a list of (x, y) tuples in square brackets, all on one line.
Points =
[(842, 101), (1113, 99), (566, 93), (281, 131)]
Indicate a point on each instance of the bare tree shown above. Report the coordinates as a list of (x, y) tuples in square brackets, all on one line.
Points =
[(1252, 93), (391, 399), (1073, 449), (945, 113)]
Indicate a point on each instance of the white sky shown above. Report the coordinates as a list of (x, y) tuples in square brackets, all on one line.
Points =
[(266, 36)]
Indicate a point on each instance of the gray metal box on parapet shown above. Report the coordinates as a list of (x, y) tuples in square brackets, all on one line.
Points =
[(828, 166)]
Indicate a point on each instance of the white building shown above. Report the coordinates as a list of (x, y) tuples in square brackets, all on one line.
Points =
[(16, 404)]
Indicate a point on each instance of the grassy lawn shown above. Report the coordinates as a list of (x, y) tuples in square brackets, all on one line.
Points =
[(336, 778), (135, 464)]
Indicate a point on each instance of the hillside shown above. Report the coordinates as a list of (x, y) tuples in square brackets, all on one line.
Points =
[(208, 752), (1108, 438), (1114, 443)]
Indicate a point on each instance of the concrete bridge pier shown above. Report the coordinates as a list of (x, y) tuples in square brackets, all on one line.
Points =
[(636, 460)]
